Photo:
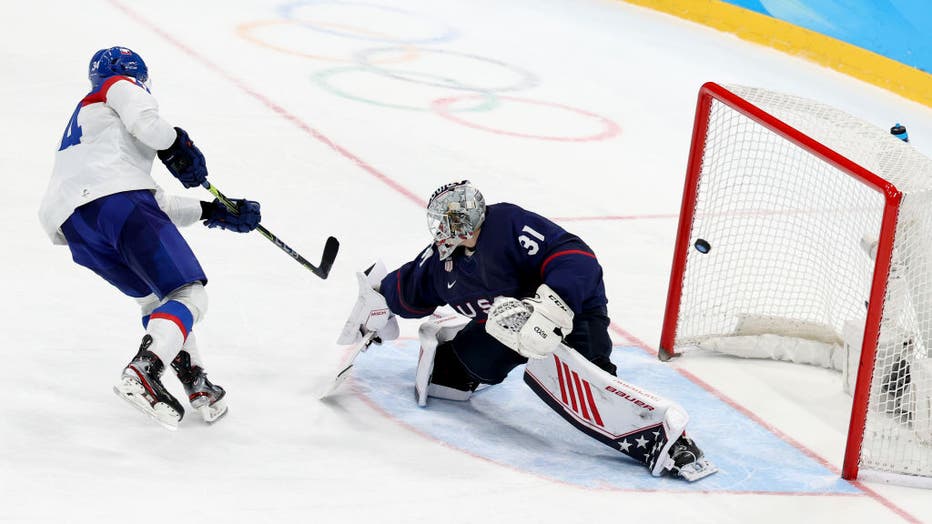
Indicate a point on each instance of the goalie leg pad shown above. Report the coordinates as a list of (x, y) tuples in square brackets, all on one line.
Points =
[(434, 336), (474, 356), (623, 416), (630, 419)]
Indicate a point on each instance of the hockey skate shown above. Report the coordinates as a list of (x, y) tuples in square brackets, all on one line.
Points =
[(686, 461), (206, 398), (141, 386)]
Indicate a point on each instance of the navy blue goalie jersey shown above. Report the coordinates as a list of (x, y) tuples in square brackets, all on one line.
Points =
[(516, 252)]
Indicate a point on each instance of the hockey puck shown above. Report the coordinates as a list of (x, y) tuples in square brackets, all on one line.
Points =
[(702, 246)]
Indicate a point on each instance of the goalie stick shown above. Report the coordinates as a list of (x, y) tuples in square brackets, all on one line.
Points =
[(345, 369), (330, 248)]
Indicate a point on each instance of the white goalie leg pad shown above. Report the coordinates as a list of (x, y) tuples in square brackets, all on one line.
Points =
[(533, 327), (630, 419), (370, 312), (431, 334)]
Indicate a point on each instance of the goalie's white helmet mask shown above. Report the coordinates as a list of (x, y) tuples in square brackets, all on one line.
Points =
[(454, 213)]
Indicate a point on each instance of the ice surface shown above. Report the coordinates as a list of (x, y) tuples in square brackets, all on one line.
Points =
[(578, 109)]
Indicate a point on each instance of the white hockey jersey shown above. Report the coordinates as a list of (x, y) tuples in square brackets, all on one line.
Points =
[(108, 147)]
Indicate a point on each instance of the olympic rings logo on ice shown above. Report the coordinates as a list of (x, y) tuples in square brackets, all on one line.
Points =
[(609, 128), (289, 12), (324, 80), (524, 79), (424, 89), (248, 31)]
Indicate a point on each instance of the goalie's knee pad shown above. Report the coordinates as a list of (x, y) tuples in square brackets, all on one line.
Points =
[(440, 373)]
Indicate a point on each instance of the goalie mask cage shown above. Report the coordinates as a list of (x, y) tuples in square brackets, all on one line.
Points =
[(780, 195)]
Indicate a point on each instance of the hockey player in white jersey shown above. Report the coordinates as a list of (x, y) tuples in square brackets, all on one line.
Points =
[(104, 204)]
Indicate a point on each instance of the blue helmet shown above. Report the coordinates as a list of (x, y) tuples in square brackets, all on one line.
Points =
[(116, 61)]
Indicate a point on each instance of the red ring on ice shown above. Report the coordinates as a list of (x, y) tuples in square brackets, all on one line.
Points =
[(610, 129)]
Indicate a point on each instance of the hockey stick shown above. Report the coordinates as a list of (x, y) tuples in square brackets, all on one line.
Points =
[(330, 248), (344, 370)]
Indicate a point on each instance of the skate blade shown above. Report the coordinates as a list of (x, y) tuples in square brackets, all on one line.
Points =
[(134, 393), (697, 470), (213, 413)]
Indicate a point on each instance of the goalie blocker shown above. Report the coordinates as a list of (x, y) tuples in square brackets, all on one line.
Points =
[(370, 312)]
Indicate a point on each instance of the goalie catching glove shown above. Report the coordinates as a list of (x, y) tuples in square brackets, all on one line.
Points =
[(370, 313), (533, 327)]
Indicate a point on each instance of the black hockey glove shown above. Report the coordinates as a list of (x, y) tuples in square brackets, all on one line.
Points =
[(184, 160), (246, 218)]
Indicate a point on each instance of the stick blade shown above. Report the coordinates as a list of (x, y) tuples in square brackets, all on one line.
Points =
[(331, 248)]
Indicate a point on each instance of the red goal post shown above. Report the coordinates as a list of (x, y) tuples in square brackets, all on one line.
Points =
[(782, 194)]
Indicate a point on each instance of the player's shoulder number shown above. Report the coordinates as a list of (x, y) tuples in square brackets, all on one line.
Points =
[(73, 131), (530, 244)]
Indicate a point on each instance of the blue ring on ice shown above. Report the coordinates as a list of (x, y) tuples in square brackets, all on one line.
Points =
[(323, 79), (525, 79), (287, 11)]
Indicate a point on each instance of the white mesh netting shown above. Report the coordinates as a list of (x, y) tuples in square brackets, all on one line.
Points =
[(791, 239)]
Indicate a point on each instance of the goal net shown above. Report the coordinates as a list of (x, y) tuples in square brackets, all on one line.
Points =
[(806, 235)]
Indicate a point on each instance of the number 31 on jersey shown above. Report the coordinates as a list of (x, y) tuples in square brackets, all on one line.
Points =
[(527, 243)]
